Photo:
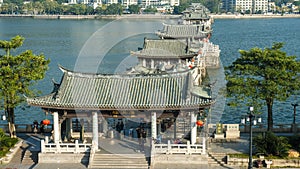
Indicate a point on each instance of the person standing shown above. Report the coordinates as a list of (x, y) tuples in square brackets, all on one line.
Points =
[(139, 136), (143, 139), (42, 127), (35, 127), (121, 126)]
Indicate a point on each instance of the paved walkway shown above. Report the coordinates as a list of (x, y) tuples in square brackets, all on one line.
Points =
[(239, 146)]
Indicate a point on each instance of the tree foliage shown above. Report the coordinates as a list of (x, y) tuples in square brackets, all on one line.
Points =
[(6, 143), (262, 76), (270, 144), (179, 9), (17, 74), (134, 9), (150, 10)]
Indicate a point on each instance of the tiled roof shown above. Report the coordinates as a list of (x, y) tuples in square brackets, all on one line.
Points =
[(195, 16), (196, 11), (164, 48), (123, 92), (183, 31)]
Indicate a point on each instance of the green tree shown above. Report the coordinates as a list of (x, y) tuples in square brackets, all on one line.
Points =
[(150, 10), (262, 75), (270, 144), (17, 74), (134, 9), (114, 9), (179, 9)]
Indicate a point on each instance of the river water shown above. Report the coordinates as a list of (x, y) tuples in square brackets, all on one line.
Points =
[(104, 46)]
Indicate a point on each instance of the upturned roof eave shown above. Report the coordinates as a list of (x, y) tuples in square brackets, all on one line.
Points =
[(91, 108)]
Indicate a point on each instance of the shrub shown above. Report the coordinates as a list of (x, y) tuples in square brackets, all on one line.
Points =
[(270, 144), (6, 143), (295, 142)]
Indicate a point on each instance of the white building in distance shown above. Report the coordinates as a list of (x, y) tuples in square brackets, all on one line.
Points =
[(143, 3), (252, 5)]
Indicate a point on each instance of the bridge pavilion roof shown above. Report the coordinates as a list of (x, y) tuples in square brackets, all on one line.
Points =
[(164, 49), (87, 91), (183, 31)]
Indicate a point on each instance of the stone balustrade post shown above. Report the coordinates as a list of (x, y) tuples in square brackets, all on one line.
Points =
[(188, 147), (169, 146), (58, 150), (76, 146), (203, 145), (42, 146)]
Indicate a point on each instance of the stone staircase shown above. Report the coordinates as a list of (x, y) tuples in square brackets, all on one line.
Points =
[(23, 157), (216, 159), (120, 161), (30, 157)]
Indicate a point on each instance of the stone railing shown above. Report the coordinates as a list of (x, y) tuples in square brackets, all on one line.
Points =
[(271, 163), (178, 148), (277, 128), (64, 147), (24, 128)]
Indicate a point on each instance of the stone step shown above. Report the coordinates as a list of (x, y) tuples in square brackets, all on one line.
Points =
[(134, 161), (120, 161), (30, 157), (216, 159), (120, 167)]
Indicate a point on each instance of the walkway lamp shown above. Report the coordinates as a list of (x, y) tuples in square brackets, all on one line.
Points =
[(294, 127), (252, 120), (294, 105), (3, 116)]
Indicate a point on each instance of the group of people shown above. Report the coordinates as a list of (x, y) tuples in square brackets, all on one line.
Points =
[(38, 127), (140, 131)]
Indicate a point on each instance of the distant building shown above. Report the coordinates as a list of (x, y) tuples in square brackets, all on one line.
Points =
[(272, 6), (126, 3), (174, 2), (228, 5), (111, 2), (253, 6), (130, 2)]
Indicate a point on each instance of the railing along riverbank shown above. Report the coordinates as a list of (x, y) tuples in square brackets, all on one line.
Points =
[(25, 128), (277, 128)]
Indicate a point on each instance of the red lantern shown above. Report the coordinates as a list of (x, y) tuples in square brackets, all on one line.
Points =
[(199, 123), (46, 122)]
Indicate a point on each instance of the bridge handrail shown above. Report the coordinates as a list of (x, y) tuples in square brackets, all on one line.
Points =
[(177, 148), (64, 147)]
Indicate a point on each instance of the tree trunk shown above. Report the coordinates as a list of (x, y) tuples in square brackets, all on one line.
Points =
[(11, 122), (270, 114)]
